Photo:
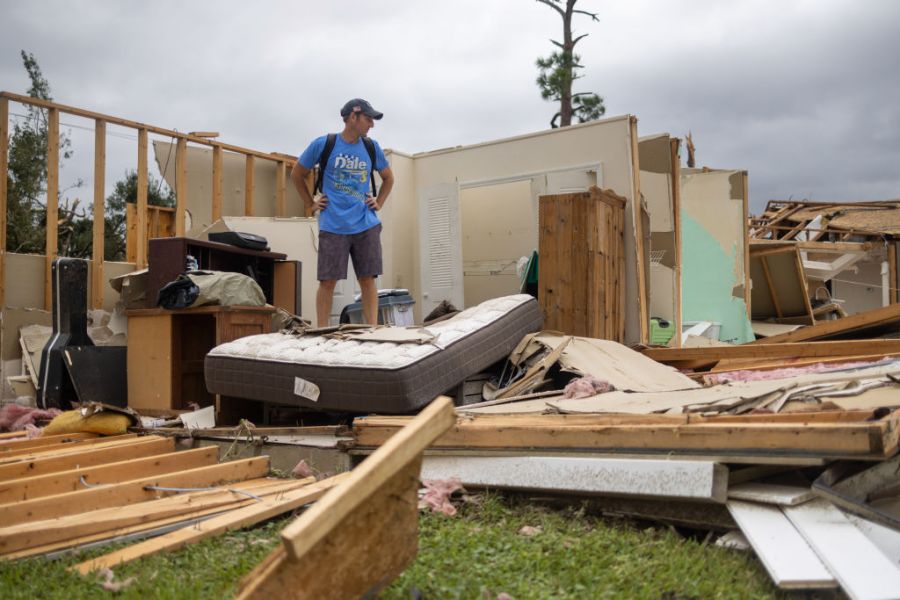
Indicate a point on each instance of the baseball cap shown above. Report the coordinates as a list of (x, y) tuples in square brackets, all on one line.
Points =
[(360, 105)]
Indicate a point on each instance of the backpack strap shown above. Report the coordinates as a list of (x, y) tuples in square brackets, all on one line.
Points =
[(370, 148), (323, 160)]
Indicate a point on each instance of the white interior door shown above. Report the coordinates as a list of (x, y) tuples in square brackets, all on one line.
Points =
[(440, 247)]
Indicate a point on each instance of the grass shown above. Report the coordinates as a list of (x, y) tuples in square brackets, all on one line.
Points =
[(480, 553)]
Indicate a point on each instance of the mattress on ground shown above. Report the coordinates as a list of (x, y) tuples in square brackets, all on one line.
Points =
[(325, 373)]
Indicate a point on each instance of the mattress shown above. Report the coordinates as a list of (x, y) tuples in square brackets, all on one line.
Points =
[(334, 374)]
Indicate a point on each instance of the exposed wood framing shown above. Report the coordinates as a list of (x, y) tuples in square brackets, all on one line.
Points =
[(251, 514), (892, 268), (879, 317), (96, 455), (97, 286), (180, 185), (280, 210), (142, 175), (8, 448), (770, 282), (248, 186), (217, 175), (776, 351), (746, 220), (132, 491), (52, 228), (4, 192), (14, 456)]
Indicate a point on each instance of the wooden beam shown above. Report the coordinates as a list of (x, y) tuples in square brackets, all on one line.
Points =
[(770, 283), (4, 192), (71, 447), (217, 175), (88, 457), (8, 447), (636, 213), (776, 351), (675, 144), (879, 317), (180, 185), (169, 133), (892, 267), (280, 209), (38, 486), (97, 286), (132, 491), (746, 245), (248, 185), (52, 228), (141, 205), (235, 519), (756, 245), (801, 277)]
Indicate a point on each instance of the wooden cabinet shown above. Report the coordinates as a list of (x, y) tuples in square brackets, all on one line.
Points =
[(168, 257), (166, 350), (581, 272)]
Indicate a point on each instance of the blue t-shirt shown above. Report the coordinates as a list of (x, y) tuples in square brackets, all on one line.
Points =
[(346, 184)]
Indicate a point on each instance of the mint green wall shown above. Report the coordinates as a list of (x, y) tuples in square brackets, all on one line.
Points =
[(708, 279)]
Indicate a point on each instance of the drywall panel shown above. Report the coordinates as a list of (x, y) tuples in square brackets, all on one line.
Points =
[(498, 227), (860, 288), (398, 238), (199, 185), (24, 285), (606, 142), (713, 251)]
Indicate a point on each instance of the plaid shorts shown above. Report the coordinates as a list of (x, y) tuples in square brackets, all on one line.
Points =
[(363, 247)]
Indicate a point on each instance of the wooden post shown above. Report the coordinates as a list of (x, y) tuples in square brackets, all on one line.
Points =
[(180, 185), (99, 212), (746, 217), (142, 241), (248, 186), (675, 144), (280, 189), (52, 233), (217, 183), (4, 166), (642, 267), (892, 266)]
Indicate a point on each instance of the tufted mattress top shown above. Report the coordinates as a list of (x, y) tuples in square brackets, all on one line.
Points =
[(359, 375)]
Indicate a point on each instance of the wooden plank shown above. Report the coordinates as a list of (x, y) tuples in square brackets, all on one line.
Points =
[(88, 457), (4, 192), (801, 277), (676, 210), (301, 535), (771, 352), (77, 479), (280, 187), (858, 565), (52, 220), (864, 440), (65, 449), (248, 185), (141, 241), (217, 175), (180, 185), (74, 528), (236, 519), (879, 317), (892, 271), (770, 493), (97, 248), (748, 285), (681, 479), (48, 441), (789, 560), (129, 492), (151, 350), (640, 250)]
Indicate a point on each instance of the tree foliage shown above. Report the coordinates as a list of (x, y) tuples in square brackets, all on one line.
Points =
[(558, 72)]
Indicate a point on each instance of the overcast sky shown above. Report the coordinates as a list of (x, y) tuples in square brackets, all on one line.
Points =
[(802, 94)]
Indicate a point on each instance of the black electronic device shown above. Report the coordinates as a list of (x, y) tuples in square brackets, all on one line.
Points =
[(241, 239)]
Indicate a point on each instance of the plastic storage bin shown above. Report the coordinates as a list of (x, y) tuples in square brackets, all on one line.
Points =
[(392, 310)]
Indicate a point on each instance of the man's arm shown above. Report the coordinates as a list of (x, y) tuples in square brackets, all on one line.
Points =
[(387, 184), (298, 177)]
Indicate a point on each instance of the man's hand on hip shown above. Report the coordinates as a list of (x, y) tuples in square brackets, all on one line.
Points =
[(320, 203), (372, 202)]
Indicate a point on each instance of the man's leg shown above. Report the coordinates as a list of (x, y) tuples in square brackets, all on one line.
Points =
[(324, 298), (369, 299)]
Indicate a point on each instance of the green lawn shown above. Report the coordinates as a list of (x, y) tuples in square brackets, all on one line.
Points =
[(480, 553)]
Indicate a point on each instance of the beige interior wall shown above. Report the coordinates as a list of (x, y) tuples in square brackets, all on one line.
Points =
[(25, 281), (399, 236), (860, 287), (656, 187), (606, 142), (498, 227)]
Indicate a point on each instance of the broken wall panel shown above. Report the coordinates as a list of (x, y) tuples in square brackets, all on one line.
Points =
[(715, 281), (779, 285)]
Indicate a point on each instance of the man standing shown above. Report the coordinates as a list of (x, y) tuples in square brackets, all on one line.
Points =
[(345, 198)]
